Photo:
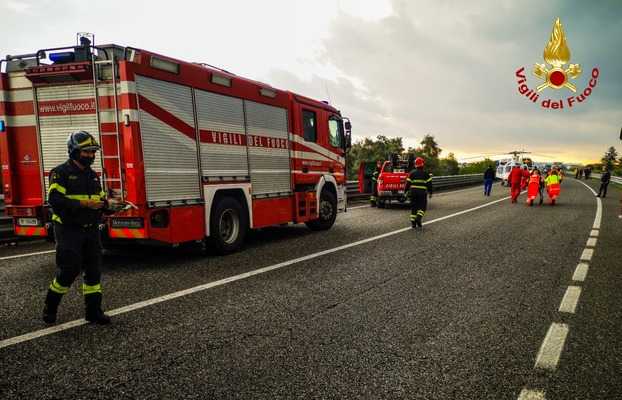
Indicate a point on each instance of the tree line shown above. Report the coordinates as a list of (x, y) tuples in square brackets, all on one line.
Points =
[(370, 150)]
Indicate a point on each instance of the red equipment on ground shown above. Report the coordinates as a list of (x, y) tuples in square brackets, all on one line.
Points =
[(197, 151), (391, 180)]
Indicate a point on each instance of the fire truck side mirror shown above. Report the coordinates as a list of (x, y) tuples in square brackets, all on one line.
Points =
[(348, 126)]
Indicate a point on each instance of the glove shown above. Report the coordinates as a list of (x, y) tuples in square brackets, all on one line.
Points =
[(92, 204)]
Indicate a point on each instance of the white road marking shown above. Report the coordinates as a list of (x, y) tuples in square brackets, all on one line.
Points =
[(349, 208), (38, 253), (72, 324), (552, 346), (580, 272), (594, 233), (591, 242), (570, 300), (587, 254), (599, 207), (528, 394)]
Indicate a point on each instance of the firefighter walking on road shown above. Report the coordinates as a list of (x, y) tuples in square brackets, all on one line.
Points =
[(420, 185), (78, 202), (373, 199), (514, 180)]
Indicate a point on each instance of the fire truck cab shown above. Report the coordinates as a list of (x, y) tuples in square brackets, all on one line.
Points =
[(195, 152)]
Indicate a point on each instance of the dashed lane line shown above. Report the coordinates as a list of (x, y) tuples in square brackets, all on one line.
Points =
[(552, 346), (580, 272), (570, 300), (594, 233), (528, 394), (587, 254), (72, 324), (591, 242)]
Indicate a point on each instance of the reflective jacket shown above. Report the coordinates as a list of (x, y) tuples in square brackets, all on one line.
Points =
[(551, 179), (68, 185), (419, 180)]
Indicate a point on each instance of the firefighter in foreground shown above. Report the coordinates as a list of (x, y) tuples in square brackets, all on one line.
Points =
[(78, 202), (420, 185), (373, 199)]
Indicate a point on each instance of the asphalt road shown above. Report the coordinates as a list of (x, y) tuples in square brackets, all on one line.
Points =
[(458, 311)]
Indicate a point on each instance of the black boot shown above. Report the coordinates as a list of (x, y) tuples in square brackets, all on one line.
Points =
[(418, 222), (51, 306), (94, 313)]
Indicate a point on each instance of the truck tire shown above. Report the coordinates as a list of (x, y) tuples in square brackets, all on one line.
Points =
[(328, 212), (228, 226), (381, 204)]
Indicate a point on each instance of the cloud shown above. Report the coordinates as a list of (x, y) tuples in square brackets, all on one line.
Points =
[(19, 7), (447, 69)]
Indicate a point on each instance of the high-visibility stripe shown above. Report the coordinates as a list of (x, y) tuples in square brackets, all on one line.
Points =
[(429, 180), (58, 288), (30, 231), (56, 218), (127, 233), (55, 186), (413, 217), (83, 196), (421, 212), (91, 289), (418, 181), (420, 187)]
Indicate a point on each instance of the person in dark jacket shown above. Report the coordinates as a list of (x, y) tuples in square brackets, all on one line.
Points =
[(489, 177), (604, 182), (373, 199), (78, 202), (419, 183)]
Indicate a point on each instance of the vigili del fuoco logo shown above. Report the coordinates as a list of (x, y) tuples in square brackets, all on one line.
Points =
[(556, 75)]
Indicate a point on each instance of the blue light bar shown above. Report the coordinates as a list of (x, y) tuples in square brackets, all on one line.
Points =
[(64, 57), (2, 126)]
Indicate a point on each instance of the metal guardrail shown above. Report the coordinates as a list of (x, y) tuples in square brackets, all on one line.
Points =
[(615, 179), (439, 183)]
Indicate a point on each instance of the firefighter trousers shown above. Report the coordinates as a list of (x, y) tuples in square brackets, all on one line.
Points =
[(77, 249), (418, 204)]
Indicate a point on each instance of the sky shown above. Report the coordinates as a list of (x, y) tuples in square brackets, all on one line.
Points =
[(394, 67)]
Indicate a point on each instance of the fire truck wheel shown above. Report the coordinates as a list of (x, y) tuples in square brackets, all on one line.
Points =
[(228, 226), (328, 212), (382, 204)]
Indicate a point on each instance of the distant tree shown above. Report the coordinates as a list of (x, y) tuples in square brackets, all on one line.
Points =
[(610, 157), (449, 165), (477, 167), (370, 150), (429, 147)]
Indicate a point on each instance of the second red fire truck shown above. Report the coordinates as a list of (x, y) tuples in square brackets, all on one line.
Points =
[(197, 153)]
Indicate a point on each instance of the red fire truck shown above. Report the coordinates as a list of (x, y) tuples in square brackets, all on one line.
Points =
[(391, 179), (196, 152)]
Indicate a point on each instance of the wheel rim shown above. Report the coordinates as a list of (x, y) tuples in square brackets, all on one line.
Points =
[(229, 226), (326, 210)]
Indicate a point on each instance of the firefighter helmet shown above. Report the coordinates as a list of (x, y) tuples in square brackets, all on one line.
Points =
[(81, 141), (419, 162)]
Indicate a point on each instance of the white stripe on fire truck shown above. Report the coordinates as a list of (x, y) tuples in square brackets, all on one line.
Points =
[(315, 172), (18, 80), (310, 156), (16, 95), (316, 147), (17, 121), (107, 116)]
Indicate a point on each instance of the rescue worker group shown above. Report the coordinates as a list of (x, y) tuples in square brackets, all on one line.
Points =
[(79, 202), (419, 187)]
